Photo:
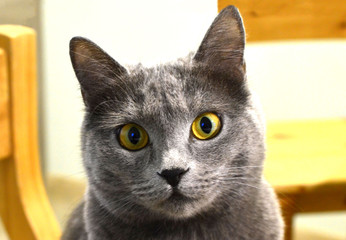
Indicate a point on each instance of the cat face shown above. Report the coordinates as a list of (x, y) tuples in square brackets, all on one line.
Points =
[(175, 139)]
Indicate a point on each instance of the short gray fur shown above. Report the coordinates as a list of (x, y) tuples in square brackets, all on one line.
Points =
[(223, 195)]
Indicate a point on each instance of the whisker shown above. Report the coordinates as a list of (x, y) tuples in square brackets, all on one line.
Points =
[(259, 166), (248, 185), (234, 178)]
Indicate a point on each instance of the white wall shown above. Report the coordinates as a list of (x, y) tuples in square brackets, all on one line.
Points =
[(299, 80), (294, 80)]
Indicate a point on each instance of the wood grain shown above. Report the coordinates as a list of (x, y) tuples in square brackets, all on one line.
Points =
[(304, 154), (306, 165), (4, 109), (27, 213), (291, 19)]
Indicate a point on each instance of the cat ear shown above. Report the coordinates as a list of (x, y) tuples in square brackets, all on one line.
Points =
[(97, 72), (223, 45)]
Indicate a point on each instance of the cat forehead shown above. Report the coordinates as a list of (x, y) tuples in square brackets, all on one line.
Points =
[(164, 94), (168, 92), (163, 83), (162, 88)]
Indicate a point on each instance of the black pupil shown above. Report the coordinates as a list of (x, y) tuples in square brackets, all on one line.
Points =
[(134, 135), (206, 125)]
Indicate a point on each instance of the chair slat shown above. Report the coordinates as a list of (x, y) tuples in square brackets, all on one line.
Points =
[(291, 19), (4, 109), (27, 213)]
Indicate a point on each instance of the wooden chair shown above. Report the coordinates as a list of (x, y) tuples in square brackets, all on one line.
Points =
[(24, 206), (306, 160)]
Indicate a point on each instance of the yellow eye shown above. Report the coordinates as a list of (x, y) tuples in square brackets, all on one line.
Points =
[(133, 137), (206, 126)]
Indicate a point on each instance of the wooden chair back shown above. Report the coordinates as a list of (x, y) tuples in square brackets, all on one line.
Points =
[(291, 19), (24, 207)]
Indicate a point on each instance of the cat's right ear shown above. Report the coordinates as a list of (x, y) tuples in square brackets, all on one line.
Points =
[(97, 72)]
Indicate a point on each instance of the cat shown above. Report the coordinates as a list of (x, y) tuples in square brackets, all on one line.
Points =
[(175, 151)]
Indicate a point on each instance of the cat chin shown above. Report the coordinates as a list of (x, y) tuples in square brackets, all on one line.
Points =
[(180, 207), (174, 210)]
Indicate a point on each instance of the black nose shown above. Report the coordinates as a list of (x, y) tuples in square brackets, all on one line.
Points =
[(173, 176)]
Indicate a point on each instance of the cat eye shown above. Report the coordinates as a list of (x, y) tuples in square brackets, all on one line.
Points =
[(133, 137), (206, 126)]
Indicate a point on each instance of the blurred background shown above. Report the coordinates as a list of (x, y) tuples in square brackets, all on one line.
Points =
[(293, 79)]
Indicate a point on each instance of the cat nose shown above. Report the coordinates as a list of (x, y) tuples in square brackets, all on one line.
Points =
[(173, 176)]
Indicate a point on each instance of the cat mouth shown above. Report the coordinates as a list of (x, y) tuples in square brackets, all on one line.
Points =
[(177, 196), (178, 205)]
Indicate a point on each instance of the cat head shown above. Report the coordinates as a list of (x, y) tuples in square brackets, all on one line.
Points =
[(172, 140)]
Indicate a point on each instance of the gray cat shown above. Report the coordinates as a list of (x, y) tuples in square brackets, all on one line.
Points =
[(173, 152)]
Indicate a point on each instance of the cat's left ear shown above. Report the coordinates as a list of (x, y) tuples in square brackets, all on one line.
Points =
[(224, 42), (97, 72)]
